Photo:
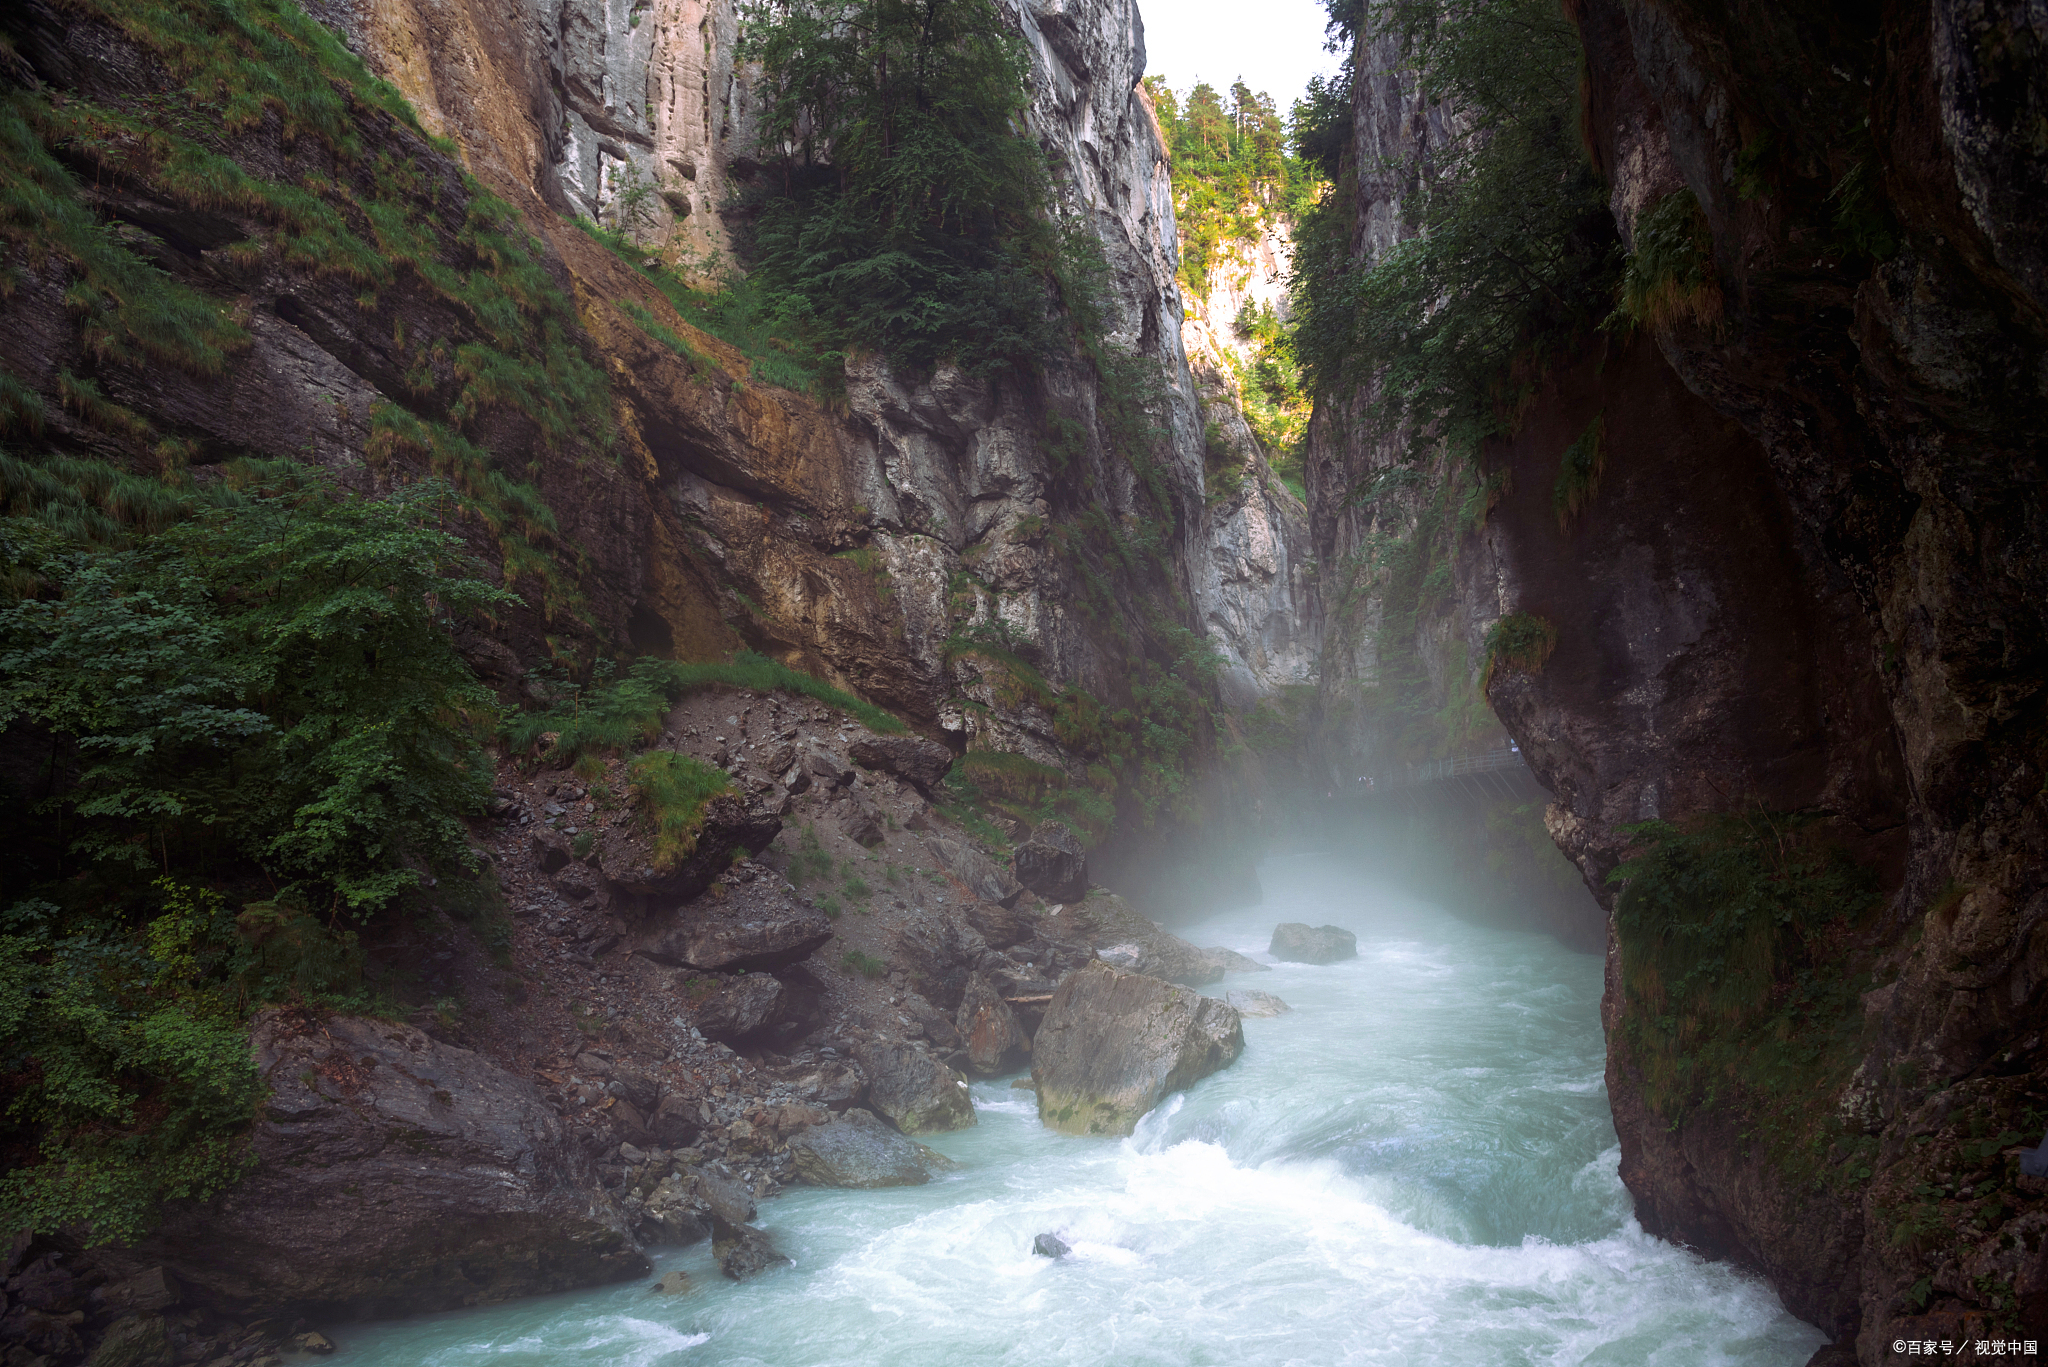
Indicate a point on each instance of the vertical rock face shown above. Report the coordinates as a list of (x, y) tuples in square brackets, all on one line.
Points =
[(1810, 579)]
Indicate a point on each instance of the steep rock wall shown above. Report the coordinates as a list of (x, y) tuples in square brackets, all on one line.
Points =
[(1810, 580)]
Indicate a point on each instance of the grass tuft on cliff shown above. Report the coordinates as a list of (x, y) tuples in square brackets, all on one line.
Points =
[(670, 791)]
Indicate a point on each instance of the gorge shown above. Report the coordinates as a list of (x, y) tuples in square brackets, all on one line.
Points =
[(744, 677)]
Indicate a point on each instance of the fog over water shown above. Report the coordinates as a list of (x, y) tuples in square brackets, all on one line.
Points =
[(1415, 1166)]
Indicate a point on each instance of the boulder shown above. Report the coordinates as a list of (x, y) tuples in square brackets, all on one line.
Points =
[(394, 1174), (914, 1091), (759, 924), (550, 849), (625, 853), (674, 1214), (727, 1196), (833, 1086), (135, 1341), (917, 761), (1052, 864), (676, 1283), (1162, 956), (1230, 961), (1252, 1003), (150, 1289), (1296, 943), (995, 1042), (975, 870), (1115, 1044), (675, 1123), (939, 954), (741, 1250), (1001, 926), (1123, 937), (1050, 1246), (859, 822), (742, 1007), (859, 1151)]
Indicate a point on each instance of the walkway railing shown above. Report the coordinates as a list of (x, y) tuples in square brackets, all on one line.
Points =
[(1441, 770)]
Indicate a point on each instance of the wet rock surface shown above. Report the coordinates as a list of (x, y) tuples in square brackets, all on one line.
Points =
[(994, 1041), (1296, 943), (759, 924), (914, 1091), (1114, 1045), (858, 1150), (1051, 863), (1250, 1002)]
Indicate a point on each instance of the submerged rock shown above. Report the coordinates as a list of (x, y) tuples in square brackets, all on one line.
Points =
[(1253, 1003), (1052, 864), (914, 1091), (861, 1152), (1115, 1044), (1296, 943), (675, 1283), (1050, 1246), (742, 1251)]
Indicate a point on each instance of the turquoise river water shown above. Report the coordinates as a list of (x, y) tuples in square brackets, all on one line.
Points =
[(1416, 1166)]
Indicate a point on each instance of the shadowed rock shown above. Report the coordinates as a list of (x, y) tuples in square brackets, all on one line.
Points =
[(995, 1042), (741, 1250), (917, 761), (1114, 1044), (861, 1152), (625, 853), (745, 1006), (1051, 863), (1296, 943), (914, 1091), (1050, 1246), (975, 870), (758, 925)]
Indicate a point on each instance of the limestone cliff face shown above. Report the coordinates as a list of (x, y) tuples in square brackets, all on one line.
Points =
[(1811, 579)]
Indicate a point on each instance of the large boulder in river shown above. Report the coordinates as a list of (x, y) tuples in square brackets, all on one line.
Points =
[(626, 858), (394, 1175), (995, 1042), (742, 1007), (1052, 864), (1114, 1045), (741, 1250), (917, 761), (757, 924), (1123, 937), (1296, 943), (859, 1151), (914, 1091)]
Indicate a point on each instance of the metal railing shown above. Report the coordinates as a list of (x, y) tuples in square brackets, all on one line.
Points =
[(1438, 770)]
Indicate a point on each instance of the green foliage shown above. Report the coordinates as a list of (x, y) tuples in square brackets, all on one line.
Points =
[(1670, 276), (906, 215), (1274, 403), (1726, 931), (1520, 641), (1578, 474), (867, 965), (612, 718), (671, 790), (1513, 249), (129, 1068), (1233, 177), (271, 680), (810, 862)]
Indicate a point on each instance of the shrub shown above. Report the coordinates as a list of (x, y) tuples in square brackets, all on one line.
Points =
[(867, 965), (1670, 276), (1518, 641), (1578, 473), (671, 790)]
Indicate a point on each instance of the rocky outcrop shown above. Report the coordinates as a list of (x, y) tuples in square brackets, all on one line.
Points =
[(393, 1174), (626, 858), (1296, 943), (744, 1006), (758, 925), (917, 761), (914, 1091), (994, 1041), (1114, 1045), (743, 1251), (1052, 864), (859, 1151)]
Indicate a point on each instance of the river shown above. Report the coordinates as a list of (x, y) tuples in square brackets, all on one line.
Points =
[(1415, 1166)]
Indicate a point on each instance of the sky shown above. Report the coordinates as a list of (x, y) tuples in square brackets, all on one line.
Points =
[(1276, 45)]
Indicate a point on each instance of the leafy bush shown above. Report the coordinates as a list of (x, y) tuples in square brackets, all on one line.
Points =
[(671, 791), (1670, 276), (616, 717), (270, 681)]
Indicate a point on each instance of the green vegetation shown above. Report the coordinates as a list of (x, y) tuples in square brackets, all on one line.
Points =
[(1275, 404), (906, 216), (1730, 936), (589, 721), (1233, 175), (670, 791), (810, 862), (1519, 641), (1670, 276), (1513, 251), (1578, 474), (867, 965)]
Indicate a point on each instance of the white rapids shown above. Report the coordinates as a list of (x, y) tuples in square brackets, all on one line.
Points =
[(1415, 1166)]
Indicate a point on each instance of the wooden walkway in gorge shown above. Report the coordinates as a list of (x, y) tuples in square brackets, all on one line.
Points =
[(1501, 773)]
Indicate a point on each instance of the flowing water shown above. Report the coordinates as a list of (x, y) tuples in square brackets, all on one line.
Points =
[(1415, 1166)]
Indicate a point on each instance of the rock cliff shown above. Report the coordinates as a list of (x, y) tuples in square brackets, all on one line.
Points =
[(1806, 582)]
